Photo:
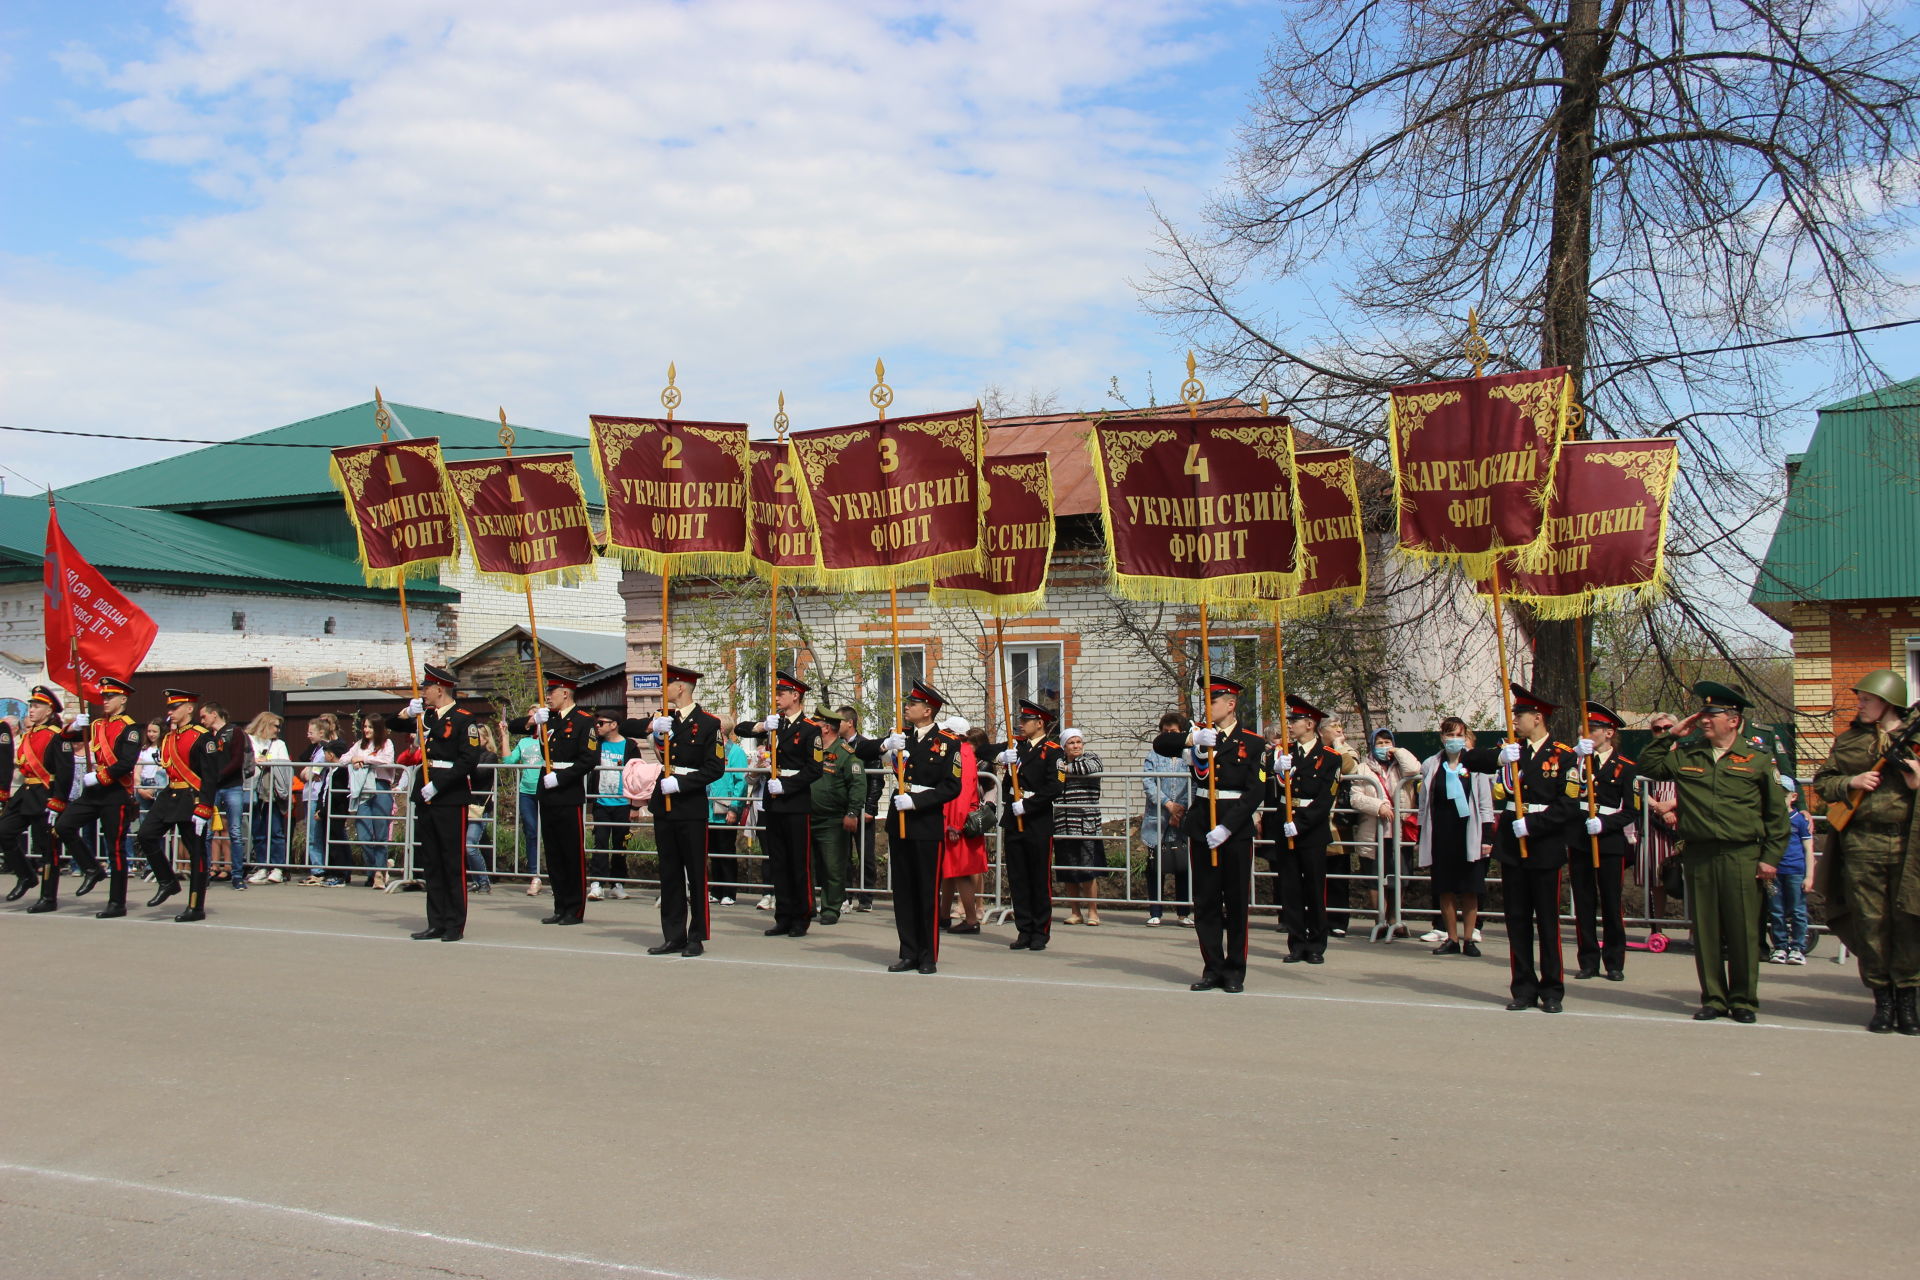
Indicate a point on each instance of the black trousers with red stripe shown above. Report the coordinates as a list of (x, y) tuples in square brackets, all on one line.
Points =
[(1029, 856), (24, 818), (788, 840), (173, 811), (563, 839), (1302, 871), (916, 897), (1600, 943), (1220, 904), (684, 914), (113, 809), (440, 837), (1532, 898)]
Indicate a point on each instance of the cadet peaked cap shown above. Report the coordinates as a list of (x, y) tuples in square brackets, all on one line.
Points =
[(1034, 711), (924, 692), (1299, 708), (1603, 715), (1527, 700), (782, 680), (1219, 684), (177, 696), (557, 681), (45, 697), (685, 675), (110, 686), (438, 675)]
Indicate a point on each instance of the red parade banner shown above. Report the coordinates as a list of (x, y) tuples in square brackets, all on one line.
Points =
[(396, 492), (894, 502), (1333, 544), (1473, 464), (676, 492), (1200, 511), (526, 518), (781, 535), (92, 630), (1606, 529), (1016, 492)]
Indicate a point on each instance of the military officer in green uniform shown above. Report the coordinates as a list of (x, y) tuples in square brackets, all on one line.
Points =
[(1870, 876), (837, 795), (1732, 815)]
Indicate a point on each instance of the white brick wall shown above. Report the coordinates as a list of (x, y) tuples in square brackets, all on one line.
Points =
[(485, 610)]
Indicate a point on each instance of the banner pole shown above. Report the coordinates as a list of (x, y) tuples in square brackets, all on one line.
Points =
[(1586, 729), (384, 420), (1191, 393), (1286, 730), (670, 400), (1006, 699), (881, 396), (780, 422), (73, 653), (533, 624)]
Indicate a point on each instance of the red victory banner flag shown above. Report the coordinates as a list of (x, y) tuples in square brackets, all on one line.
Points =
[(1333, 545), (1473, 464), (526, 518), (1016, 492), (92, 630), (396, 492), (781, 535), (676, 493), (1200, 511), (1606, 529), (894, 502)]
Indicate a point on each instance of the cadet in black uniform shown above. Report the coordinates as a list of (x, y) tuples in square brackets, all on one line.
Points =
[(45, 759), (932, 780), (786, 807), (693, 758), (106, 799), (1221, 843), (571, 753), (1026, 824), (451, 743), (185, 807), (1530, 871), (1315, 772), (1596, 890)]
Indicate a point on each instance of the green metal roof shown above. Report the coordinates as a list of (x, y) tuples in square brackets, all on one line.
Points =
[(1852, 504), (139, 544), (240, 474)]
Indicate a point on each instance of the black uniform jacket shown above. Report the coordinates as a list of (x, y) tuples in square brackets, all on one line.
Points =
[(798, 755), (1612, 789), (1316, 786), (933, 781), (453, 743), (1042, 773), (1553, 816), (1241, 780), (6, 762), (699, 759), (572, 751)]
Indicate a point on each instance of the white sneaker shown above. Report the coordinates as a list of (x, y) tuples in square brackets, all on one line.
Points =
[(711, 898), (258, 877), (593, 892), (1186, 922), (1433, 935), (1153, 922), (726, 902), (617, 891), (1477, 937), (275, 877), (1777, 956), (1796, 957), (846, 907), (765, 903)]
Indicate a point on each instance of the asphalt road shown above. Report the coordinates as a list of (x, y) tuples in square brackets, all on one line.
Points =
[(296, 1089)]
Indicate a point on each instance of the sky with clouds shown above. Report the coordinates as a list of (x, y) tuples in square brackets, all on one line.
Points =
[(243, 214)]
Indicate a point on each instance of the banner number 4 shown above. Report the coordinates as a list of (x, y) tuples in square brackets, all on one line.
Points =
[(1196, 465)]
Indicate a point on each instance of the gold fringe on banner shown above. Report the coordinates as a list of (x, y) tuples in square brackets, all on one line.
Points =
[(390, 579)]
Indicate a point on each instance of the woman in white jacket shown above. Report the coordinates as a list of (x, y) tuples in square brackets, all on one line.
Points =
[(1381, 779), (1456, 836)]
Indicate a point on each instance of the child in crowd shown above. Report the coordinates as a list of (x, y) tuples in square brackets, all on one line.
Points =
[(1786, 892)]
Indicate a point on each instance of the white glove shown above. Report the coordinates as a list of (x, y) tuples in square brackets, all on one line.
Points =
[(427, 793), (1217, 837), (895, 742), (1593, 826), (1291, 830), (1789, 782), (775, 787), (1009, 756), (1206, 737), (1284, 763), (1019, 808), (670, 785), (416, 709), (540, 716), (1584, 747), (770, 725), (93, 780), (1520, 828), (50, 816), (1509, 753), (199, 825), (903, 803), (81, 721), (550, 780), (661, 725)]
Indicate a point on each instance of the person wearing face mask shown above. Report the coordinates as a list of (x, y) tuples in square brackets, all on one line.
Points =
[(1381, 791), (1456, 836)]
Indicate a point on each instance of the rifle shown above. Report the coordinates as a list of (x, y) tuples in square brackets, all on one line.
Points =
[(1905, 739)]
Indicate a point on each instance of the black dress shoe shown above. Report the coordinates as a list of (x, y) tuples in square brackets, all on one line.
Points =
[(1292, 959), (1316, 959), (1037, 944), (20, 888), (1233, 988), (1447, 948), (1018, 944), (190, 915), (568, 919), (778, 931), (1746, 1016), (428, 935), (902, 966), (555, 918), (1616, 975), (1550, 1005), (798, 931), (928, 968), (1470, 948), (1515, 1006), (1205, 984), (87, 883), (694, 948), (1707, 1014), (666, 947), (966, 928), (163, 893), (1587, 971), (43, 904), (452, 937), (110, 911)]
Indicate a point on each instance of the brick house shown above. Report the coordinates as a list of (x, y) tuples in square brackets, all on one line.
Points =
[(1842, 572)]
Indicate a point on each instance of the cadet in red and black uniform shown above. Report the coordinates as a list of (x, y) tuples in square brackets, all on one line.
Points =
[(12, 851), (1530, 843), (106, 800), (786, 809), (932, 780), (185, 807), (693, 757), (571, 754), (45, 760), (452, 744), (1220, 830), (1315, 771), (1026, 824), (1596, 890)]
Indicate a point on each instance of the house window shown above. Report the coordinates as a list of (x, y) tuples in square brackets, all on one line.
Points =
[(1034, 675), (880, 704), (327, 626), (1913, 665), (1238, 658), (239, 621), (755, 679)]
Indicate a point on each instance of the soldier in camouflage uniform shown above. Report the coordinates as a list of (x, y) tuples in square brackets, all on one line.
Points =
[(1870, 876)]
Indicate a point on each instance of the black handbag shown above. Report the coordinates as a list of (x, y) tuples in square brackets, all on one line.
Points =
[(1673, 881), (981, 821)]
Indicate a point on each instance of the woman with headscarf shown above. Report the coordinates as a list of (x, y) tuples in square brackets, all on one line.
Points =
[(1080, 856)]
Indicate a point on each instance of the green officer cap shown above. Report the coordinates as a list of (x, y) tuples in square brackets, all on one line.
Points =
[(1885, 684), (1714, 694)]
